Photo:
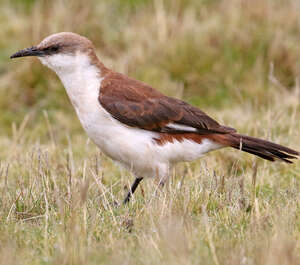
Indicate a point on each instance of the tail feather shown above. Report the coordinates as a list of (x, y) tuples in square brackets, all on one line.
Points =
[(262, 148)]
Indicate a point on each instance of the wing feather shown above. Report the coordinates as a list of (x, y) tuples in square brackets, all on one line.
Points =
[(139, 105)]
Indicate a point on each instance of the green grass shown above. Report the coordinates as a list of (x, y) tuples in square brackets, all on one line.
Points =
[(237, 60)]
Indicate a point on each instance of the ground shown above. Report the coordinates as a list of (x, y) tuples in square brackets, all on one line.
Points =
[(236, 60)]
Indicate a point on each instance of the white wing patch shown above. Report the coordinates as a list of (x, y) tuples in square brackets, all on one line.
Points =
[(180, 127)]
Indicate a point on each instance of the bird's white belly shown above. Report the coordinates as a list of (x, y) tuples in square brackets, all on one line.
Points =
[(132, 147)]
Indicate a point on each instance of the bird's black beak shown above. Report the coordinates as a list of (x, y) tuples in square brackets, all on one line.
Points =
[(32, 51)]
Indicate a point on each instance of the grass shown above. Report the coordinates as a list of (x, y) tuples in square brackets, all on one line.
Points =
[(237, 60)]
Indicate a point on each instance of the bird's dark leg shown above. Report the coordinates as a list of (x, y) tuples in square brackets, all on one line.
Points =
[(132, 189)]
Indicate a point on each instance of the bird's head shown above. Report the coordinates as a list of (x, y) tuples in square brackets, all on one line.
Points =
[(62, 52)]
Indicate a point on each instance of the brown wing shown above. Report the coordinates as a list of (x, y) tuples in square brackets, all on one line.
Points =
[(139, 105)]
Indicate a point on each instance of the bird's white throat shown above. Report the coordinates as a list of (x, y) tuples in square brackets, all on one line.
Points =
[(80, 78)]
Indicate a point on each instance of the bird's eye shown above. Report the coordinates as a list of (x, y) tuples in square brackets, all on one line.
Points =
[(54, 48), (51, 49)]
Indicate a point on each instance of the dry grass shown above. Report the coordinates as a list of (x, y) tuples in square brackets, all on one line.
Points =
[(238, 60)]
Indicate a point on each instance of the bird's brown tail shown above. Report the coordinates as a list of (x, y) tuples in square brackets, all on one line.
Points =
[(262, 148)]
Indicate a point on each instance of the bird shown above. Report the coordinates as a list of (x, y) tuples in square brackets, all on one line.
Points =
[(134, 124)]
